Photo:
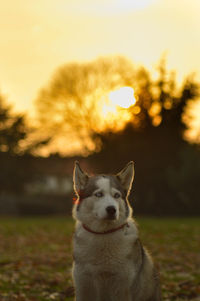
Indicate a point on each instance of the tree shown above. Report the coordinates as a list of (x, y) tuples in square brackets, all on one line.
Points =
[(16, 136), (16, 147), (69, 106), (13, 129)]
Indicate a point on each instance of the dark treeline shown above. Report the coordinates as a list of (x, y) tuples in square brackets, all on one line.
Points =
[(166, 165), (166, 169)]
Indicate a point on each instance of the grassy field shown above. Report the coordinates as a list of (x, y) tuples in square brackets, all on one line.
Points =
[(36, 257)]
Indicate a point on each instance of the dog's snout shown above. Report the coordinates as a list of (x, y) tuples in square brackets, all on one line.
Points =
[(111, 210)]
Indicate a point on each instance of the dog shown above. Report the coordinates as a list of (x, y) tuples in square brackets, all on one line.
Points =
[(110, 262)]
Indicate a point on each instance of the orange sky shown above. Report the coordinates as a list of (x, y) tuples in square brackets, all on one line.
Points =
[(38, 36)]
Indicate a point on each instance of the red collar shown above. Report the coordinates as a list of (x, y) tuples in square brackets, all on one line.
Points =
[(105, 232)]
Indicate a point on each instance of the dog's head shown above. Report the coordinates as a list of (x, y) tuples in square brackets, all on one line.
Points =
[(102, 197)]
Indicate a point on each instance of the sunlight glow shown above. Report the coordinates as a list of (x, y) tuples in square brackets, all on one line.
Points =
[(108, 108), (191, 118), (106, 7), (123, 97), (113, 109)]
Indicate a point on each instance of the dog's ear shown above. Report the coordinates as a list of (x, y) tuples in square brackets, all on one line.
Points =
[(126, 176), (80, 178)]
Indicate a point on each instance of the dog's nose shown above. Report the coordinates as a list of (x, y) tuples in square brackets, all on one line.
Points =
[(111, 210)]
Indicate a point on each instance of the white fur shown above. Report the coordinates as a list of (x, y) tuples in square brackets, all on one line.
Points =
[(103, 264), (102, 203)]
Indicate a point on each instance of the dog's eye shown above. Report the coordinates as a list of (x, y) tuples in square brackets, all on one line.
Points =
[(99, 194), (117, 195)]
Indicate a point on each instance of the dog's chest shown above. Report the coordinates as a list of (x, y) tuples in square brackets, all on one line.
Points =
[(112, 252)]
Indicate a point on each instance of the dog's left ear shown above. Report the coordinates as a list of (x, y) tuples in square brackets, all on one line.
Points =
[(80, 178), (126, 176)]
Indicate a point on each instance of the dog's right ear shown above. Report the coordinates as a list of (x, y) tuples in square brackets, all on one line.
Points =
[(80, 178), (126, 176)]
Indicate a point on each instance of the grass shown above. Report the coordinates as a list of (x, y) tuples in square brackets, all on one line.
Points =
[(36, 257)]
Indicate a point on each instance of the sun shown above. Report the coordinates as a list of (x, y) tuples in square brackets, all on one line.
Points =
[(123, 97), (114, 110)]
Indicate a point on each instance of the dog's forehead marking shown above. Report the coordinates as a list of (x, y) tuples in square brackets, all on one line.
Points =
[(103, 183), (108, 182)]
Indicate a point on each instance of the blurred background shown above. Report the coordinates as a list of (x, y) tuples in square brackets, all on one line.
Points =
[(102, 82)]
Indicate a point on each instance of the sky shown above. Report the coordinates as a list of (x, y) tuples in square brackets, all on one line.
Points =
[(38, 36)]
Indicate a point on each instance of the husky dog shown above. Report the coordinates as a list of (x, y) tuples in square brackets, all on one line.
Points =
[(110, 263)]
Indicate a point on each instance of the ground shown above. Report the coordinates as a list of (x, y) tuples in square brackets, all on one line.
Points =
[(36, 257)]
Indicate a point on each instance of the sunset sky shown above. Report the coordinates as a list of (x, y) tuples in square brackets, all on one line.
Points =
[(39, 36)]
